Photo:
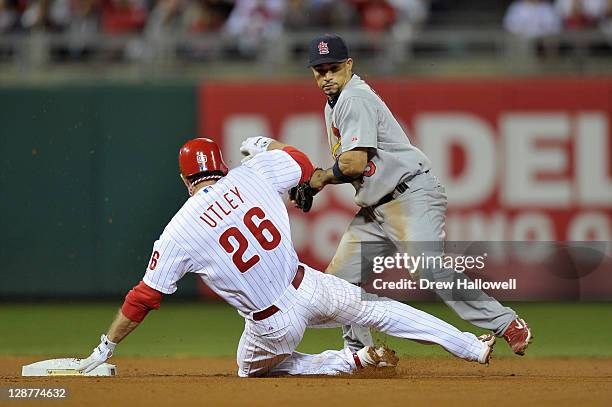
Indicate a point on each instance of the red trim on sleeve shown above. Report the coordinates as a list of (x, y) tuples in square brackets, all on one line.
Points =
[(302, 160), (139, 301)]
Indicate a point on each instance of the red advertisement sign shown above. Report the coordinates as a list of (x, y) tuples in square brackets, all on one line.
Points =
[(527, 159)]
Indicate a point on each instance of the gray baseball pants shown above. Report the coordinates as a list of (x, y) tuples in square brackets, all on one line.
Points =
[(417, 215)]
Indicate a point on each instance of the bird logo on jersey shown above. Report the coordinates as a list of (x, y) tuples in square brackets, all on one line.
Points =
[(338, 143), (335, 148), (323, 48), (201, 159)]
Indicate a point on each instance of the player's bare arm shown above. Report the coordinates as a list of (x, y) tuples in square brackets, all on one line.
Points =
[(118, 330), (138, 302), (349, 167), (121, 327)]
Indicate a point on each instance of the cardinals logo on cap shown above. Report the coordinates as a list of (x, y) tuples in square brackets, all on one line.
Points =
[(202, 159), (323, 48)]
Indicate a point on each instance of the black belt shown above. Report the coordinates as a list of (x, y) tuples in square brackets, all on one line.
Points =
[(273, 309), (399, 189)]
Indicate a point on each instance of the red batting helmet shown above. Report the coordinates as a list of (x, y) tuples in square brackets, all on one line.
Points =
[(200, 159)]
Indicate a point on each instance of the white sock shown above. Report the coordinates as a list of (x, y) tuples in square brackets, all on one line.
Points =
[(365, 358)]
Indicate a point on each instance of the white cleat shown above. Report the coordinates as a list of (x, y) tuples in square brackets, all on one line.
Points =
[(488, 342)]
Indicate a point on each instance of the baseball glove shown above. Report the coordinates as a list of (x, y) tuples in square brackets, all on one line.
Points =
[(303, 195)]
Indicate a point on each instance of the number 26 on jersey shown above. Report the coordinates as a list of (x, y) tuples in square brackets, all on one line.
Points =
[(269, 242)]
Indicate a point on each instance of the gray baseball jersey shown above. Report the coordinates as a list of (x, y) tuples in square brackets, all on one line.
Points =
[(360, 118)]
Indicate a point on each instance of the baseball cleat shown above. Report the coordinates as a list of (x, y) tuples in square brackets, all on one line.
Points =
[(377, 357), (489, 341), (518, 335), (386, 356)]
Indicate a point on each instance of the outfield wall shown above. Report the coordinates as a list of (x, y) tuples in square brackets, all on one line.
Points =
[(88, 174), (88, 179)]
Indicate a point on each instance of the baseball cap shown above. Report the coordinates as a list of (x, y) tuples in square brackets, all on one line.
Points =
[(326, 49)]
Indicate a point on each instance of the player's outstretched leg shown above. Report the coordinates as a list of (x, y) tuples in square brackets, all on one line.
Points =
[(348, 304), (403, 321), (424, 226)]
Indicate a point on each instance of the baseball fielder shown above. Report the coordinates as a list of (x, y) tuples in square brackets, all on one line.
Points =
[(401, 199), (234, 233)]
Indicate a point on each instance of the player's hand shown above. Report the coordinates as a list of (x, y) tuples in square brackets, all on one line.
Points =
[(254, 145), (317, 180), (302, 196), (100, 354)]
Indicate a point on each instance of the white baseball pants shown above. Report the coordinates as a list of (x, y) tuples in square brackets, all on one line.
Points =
[(267, 347)]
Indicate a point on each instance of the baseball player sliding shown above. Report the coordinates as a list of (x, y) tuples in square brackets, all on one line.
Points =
[(401, 200), (234, 233)]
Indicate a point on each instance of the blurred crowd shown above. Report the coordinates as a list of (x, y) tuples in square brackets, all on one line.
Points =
[(531, 18), (252, 18), (256, 18), (541, 18), (153, 24)]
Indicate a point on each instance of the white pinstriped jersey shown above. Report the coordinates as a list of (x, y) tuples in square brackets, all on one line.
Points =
[(234, 234)]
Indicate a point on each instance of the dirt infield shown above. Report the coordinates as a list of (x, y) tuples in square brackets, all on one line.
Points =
[(421, 381)]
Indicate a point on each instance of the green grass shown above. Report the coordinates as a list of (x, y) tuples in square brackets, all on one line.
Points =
[(201, 329)]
